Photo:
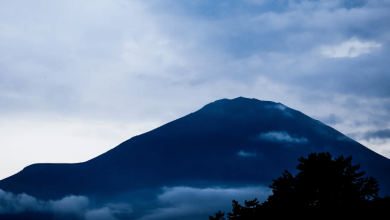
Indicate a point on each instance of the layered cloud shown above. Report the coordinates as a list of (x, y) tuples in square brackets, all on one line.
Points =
[(173, 203), (281, 137), (69, 207), (199, 203)]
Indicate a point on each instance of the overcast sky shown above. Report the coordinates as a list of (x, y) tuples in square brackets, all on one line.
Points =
[(78, 77)]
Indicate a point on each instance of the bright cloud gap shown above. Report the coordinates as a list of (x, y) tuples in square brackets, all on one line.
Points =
[(350, 48)]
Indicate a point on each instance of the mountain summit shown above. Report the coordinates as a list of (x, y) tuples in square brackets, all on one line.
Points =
[(233, 143)]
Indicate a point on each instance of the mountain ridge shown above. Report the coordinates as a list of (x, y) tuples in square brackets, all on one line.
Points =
[(202, 149)]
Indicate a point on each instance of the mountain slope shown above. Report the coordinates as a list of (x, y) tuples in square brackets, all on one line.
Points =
[(236, 142)]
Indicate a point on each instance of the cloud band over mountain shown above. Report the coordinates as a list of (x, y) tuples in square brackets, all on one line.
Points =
[(282, 137)]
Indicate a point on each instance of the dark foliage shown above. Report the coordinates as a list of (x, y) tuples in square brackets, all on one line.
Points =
[(322, 181), (218, 216), (322, 186)]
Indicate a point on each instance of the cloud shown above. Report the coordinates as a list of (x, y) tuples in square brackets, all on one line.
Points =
[(71, 206), (331, 119), (256, 2), (111, 62), (246, 154), (197, 203), (99, 214), (10, 203), (282, 137), (379, 134), (120, 208), (351, 48), (281, 107)]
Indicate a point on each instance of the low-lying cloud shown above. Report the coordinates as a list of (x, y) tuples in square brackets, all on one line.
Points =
[(242, 153), (281, 137), (10, 203), (196, 203), (279, 106), (70, 207), (282, 108)]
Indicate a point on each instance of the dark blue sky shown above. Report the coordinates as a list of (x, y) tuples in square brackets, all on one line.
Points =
[(95, 73)]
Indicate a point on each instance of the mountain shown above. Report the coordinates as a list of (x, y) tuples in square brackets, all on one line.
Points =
[(233, 143)]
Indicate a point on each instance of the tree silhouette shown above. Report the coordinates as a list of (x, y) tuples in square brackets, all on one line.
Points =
[(322, 184), (218, 216), (242, 212), (322, 181)]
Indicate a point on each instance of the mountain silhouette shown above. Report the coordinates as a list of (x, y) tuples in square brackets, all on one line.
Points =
[(237, 142)]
